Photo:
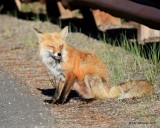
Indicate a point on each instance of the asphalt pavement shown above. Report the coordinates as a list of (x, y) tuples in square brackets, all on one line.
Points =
[(21, 109)]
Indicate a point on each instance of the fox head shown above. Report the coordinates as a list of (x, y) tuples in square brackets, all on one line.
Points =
[(53, 44)]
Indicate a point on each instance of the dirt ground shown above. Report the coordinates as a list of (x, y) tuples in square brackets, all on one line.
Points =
[(20, 58)]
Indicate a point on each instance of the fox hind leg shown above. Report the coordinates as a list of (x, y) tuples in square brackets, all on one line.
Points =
[(92, 87), (84, 89)]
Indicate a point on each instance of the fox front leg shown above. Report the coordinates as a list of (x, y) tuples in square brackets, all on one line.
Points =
[(59, 85), (57, 94), (66, 90), (58, 91)]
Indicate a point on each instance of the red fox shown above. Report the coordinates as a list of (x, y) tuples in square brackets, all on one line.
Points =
[(82, 71)]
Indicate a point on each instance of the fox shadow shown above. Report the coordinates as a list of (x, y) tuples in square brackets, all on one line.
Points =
[(50, 93), (73, 95)]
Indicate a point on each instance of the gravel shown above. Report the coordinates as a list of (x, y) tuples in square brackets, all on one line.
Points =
[(19, 108)]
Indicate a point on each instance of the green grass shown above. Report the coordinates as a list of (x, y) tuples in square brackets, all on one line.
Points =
[(35, 7), (30, 42), (129, 61)]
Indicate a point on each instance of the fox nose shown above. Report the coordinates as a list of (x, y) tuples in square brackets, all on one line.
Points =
[(59, 54)]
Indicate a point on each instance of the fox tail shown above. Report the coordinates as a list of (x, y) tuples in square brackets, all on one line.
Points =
[(131, 89)]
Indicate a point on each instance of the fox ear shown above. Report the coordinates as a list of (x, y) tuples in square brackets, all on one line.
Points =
[(38, 33), (64, 32)]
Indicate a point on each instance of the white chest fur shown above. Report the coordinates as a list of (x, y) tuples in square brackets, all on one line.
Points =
[(52, 64)]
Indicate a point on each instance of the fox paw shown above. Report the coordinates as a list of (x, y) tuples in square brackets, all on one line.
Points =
[(123, 96), (50, 101)]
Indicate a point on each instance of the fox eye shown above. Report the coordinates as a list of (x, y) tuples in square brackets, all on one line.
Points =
[(51, 47), (61, 47)]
